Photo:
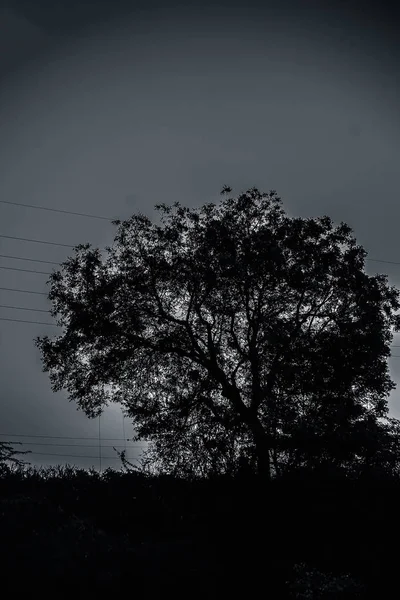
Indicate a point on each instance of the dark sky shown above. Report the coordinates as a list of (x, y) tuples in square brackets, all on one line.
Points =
[(110, 107)]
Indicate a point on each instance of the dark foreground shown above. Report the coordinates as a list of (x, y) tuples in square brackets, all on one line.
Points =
[(73, 531)]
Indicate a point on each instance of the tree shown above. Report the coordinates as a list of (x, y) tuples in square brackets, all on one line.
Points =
[(228, 330), (8, 454)]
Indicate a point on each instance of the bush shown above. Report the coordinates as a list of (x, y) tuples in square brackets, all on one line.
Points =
[(311, 584)]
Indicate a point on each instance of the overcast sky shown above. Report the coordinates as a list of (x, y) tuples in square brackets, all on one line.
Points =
[(107, 111)]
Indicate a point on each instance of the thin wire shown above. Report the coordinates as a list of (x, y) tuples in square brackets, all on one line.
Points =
[(25, 270), (60, 437), (48, 262), (24, 291), (24, 308), (68, 212), (390, 262), (79, 456), (80, 445), (34, 322), (46, 273), (13, 237), (36, 207)]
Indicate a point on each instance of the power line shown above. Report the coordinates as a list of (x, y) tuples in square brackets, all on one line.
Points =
[(67, 246), (59, 437), (56, 325), (13, 237), (81, 445), (48, 262), (80, 456), (23, 291), (68, 212), (25, 270), (390, 262), (36, 207), (24, 321), (98, 217), (24, 308)]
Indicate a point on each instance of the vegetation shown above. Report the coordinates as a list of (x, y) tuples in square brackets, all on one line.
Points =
[(320, 537), (250, 349), (8, 455)]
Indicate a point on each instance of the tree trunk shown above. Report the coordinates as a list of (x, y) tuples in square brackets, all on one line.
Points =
[(263, 459), (261, 439), (263, 449)]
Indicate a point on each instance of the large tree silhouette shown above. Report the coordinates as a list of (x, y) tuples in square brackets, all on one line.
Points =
[(229, 330)]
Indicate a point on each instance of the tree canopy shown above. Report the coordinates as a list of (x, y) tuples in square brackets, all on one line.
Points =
[(227, 331)]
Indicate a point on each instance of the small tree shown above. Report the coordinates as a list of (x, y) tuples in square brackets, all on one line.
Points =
[(226, 330), (8, 454)]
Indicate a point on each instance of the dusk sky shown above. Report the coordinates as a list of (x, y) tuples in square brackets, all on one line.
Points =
[(110, 107)]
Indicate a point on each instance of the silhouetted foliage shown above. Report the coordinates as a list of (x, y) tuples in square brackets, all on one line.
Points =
[(315, 536), (230, 334), (311, 584), (8, 455)]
